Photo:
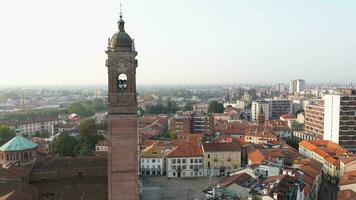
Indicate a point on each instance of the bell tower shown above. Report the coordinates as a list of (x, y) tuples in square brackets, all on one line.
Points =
[(122, 116)]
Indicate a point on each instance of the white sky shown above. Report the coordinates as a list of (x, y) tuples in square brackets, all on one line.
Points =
[(182, 41)]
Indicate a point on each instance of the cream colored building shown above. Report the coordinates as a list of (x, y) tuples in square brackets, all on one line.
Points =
[(185, 162), (152, 160), (260, 137), (221, 158), (31, 127), (321, 150)]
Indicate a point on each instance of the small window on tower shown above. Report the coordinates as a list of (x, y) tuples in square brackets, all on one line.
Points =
[(122, 82)]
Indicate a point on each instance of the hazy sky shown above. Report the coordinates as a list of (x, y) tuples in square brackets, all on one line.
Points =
[(181, 41)]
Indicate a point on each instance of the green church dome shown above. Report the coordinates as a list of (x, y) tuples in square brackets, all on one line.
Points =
[(18, 143), (121, 38)]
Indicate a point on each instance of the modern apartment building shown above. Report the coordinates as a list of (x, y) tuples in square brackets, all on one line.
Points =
[(195, 122), (280, 87), (340, 119), (314, 119), (297, 86), (270, 109)]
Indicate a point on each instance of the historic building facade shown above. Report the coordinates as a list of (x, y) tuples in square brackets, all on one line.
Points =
[(122, 117)]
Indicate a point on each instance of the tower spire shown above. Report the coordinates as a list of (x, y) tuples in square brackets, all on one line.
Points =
[(121, 22), (120, 11)]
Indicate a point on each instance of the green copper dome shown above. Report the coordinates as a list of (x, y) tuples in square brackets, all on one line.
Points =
[(18, 143), (121, 38)]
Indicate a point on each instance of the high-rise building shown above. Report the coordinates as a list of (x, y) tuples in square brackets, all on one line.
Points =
[(280, 87), (270, 109), (293, 86), (122, 117), (297, 86), (340, 119), (300, 86), (314, 119)]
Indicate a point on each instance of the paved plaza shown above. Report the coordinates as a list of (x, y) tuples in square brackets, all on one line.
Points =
[(162, 188)]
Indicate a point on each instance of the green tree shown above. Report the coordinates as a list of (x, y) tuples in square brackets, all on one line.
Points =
[(64, 145), (215, 107), (84, 149), (188, 106), (173, 135), (6, 134), (88, 108), (171, 107), (88, 136), (293, 143)]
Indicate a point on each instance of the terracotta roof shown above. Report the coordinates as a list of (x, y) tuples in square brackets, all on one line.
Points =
[(221, 146), (153, 151), (194, 151), (348, 178), (319, 147), (348, 159), (346, 195), (255, 156), (287, 116), (239, 179), (274, 178), (71, 162), (149, 142)]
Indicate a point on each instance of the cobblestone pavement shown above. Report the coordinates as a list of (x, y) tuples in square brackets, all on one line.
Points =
[(162, 188)]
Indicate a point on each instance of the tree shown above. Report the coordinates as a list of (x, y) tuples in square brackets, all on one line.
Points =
[(64, 145), (173, 135), (88, 108), (215, 107), (6, 134), (293, 143), (188, 106), (84, 149), (88, 137), (171, 107), (79, 109)]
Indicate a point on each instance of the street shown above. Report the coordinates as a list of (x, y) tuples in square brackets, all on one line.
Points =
[(328, 191)]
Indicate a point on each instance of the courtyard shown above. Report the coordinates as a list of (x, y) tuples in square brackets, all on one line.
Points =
[(162, 188)]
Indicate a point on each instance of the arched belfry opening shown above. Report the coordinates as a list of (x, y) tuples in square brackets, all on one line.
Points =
[(122, 82)]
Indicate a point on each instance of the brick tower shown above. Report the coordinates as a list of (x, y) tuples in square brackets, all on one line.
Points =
[(122, 117)]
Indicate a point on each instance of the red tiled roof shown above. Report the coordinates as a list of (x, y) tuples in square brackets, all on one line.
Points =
[(346, 195), (348, 178), (194, 151), (311, 146), (255, 156), (348, 159), (221, 146)]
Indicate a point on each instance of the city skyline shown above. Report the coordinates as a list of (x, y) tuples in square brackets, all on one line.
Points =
[(181, 42)]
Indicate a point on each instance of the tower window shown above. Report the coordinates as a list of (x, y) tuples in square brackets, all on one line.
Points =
[(122, 82)]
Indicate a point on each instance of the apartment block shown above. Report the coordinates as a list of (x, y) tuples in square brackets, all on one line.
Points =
[(340, 119), (270, 109), (314, 119)]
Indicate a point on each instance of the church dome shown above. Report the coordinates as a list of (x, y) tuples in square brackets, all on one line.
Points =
[(121, 38)]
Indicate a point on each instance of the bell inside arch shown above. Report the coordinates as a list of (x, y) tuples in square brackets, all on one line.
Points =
[(122, 82)]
